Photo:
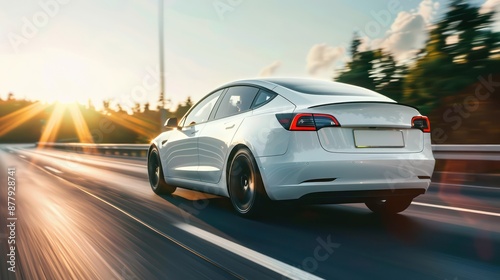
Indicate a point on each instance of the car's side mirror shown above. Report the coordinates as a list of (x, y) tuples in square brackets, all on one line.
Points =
[(171, 123)]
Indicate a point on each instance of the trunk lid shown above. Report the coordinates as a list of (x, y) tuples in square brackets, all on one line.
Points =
[(370, 127)]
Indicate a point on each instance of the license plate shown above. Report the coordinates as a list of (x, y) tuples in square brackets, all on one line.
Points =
[(364, 138)]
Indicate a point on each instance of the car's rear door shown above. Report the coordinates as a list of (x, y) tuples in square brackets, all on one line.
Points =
[(216, 135), (180, 155)]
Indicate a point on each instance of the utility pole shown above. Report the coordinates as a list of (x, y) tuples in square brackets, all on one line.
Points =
[(163, 111)]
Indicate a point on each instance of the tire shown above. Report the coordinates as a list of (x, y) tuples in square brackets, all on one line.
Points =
[(389, 206), (245, 186), (155, 174)]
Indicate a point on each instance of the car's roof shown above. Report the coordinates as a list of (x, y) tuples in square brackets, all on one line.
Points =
[(308, 92)]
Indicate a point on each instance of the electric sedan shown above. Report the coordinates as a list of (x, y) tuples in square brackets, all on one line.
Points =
[(302, 140)]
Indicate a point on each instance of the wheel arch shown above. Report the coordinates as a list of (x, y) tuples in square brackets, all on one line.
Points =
[(229, 159), (153, 145), (235, 149)]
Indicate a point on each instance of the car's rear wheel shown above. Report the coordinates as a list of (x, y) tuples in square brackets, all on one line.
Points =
[(389, 206), (155, 174), (246, 189)]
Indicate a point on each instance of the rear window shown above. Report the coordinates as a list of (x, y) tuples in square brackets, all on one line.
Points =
[(320, 87)]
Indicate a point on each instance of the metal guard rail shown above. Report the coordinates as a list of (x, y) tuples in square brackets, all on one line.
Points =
[(128, 150), (441, 152)]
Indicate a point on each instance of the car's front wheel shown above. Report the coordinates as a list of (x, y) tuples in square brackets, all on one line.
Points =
[(389, 206), (246, 189), (155, 174)]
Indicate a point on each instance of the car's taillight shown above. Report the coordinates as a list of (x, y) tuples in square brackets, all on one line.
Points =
[(422, 123), (303, 122), (306, 121)]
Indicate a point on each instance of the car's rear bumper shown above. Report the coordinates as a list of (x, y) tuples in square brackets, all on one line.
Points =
[(313, 172)]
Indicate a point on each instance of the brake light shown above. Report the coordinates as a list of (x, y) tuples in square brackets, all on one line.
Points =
[(303, 122), (422, 123), (306, 121)]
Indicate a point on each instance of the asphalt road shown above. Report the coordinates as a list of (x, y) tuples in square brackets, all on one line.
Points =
[(88, 217)]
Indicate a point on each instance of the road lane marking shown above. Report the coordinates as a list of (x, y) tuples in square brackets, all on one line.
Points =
[(249, 254), (465, 186), (253, 256), (53, 169), (22, 156), (157, 231), (457, 209)]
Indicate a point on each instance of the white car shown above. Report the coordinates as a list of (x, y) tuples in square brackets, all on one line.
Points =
[(289, 139)]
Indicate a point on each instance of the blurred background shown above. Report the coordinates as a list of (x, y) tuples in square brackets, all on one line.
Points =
[(92, 71)]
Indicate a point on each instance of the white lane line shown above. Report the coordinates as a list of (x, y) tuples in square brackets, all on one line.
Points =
[(53, 169), (258, 258), (249, 254), (141, 222), (465, 186), (457, 209)]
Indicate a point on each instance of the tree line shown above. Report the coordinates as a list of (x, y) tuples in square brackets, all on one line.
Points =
[(454, 78), (108, 124)]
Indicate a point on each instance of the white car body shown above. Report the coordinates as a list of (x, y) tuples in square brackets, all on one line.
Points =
[(375, 151)]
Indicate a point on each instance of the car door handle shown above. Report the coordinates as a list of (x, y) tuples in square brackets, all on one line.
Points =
[(230, 126)]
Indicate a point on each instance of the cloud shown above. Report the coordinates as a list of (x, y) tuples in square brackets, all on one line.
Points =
[(407, 34), (322, 56), (270, 69), (428, 10), (489, 6), (409, 31)]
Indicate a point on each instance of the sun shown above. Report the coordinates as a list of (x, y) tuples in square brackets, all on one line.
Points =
[(60, 99), (64, 76)]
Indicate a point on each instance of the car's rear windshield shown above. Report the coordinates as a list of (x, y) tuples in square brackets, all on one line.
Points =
[(320, 87)]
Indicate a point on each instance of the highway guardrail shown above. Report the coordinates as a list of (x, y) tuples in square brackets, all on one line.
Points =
[(441, 152), (127, 150), (454, 158)]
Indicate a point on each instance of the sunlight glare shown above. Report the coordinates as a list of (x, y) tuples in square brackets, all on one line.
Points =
[(50, 131), (82, 129), (139, 126), (17, 118)]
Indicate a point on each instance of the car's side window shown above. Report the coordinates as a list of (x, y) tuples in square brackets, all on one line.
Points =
[(201, 111), (237, 99), (263, 97)]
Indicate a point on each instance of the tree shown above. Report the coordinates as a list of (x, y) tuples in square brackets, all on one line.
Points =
[(137, 108), (161, 101), (359, 70), (105, 105), (183, 108), (388, 75), (473, 30), (429, 78), (356, 42), (458, 50)]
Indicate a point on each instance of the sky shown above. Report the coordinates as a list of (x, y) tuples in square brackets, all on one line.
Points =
[(76, 50)]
